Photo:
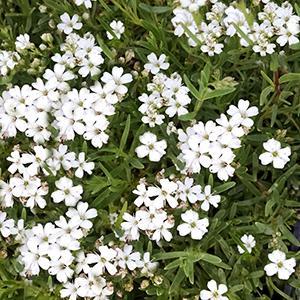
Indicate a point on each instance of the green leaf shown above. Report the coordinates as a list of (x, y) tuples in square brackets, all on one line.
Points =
[(257, 274), (179, 277), (125, 134), (289, 77), (277, 290), (264, 95), (169, 255), (135, 163), (154, 9), (224, 187), (188, 268), (236, 288), (205, 74), (212, 259), (120, 216), (267, 78), (192, 88), (210, 94), (174, 264), (105, 49), (288, 235), (295, 283)]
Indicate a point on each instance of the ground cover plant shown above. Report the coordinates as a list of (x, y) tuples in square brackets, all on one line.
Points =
[(149, 149)]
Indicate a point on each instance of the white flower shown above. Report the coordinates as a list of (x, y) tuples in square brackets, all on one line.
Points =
[(83, 166), (155, 64), (288, 34), (177, 105), (215, 291), (212, 48), (127, 258), (221, 164), (163, 231), (143, 197), (87, 3), (130, 226), (164, 194), (117, 28), (264, 48), (208, 198), (17, 164), (197, 228), (103, 261), (116, 80), (7, 226), (67, 192), (70, 290), (23, 42), (280, 265), (249, 243), (151, 219), (147, 266), (59, 75), (6, 195), (243, 113), (151, 147), (188, 191), (70, 228), (83, 213), (69, 24), (32, 258), (275, 154), (61, 267)]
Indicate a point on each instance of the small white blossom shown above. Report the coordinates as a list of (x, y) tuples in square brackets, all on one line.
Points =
[(69, 24), (193, 225), (155, 64), (67, 192), (117, 28), (214, 292), (248, 242), (279, 265), (151, 147), (275, 154)]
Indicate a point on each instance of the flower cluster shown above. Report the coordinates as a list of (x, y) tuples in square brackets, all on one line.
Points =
[(167, 94), (91, 268), (211, 145), (29, 109), (154, 203), (276, 26), (27, 169)]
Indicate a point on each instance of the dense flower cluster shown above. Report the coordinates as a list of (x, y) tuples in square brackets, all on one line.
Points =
[(272, 27), (84, 111), (211, 145), (155, 205), (168, 95), (27, 170)]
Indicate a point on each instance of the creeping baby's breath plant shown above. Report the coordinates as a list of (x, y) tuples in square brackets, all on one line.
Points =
[(149, 149)]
